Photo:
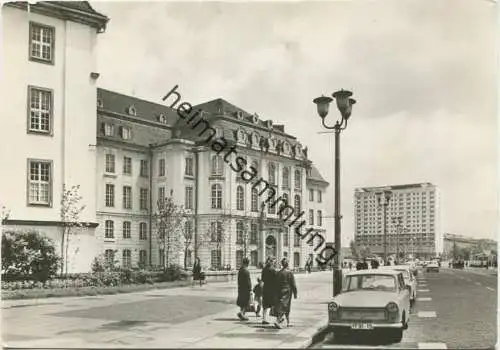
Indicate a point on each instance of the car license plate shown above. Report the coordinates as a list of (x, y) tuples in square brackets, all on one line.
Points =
[(362, 326)]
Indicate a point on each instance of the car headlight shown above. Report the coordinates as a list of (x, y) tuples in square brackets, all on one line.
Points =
[(392, 307), (333, 307)]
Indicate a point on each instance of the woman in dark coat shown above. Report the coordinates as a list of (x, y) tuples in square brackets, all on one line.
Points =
[(197, 271), (286, 287), (268, 277), (244, 289)]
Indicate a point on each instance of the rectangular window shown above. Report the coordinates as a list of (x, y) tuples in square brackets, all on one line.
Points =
[(42, 40), (110, 195), (40, 110), (285, 239), (189, 258), (125, 133), (143, 231), (127, 166), (127, 229), (215, 258), (143, 256), (253, 233), (109, 229), (127, 197), (239, 258), (161, 167), (189, 198), (189, 167), (320, 218), (311, 195), (110, 163), (144, 168), (109, 129), (320, 196), (161, 257), (40, 182), (311, 217), (127, 258), (144, 198), (161, 194), (296, 240), (109, 257)]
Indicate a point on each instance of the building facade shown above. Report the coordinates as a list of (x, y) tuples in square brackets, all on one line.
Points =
[(146, 152), (48, 128), (412, 221), (127, 155)]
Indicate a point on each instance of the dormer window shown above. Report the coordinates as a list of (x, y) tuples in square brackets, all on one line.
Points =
[(109, 129), (131, 110), (162, 118), (239, 115), (125, 133), (255, 118), (269, 124), (100, 104)]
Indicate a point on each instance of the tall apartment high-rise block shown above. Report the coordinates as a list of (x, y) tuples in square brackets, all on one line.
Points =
[(410, 220)]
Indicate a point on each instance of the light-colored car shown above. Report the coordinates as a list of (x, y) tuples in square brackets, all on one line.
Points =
[(432, 266), (409, 277), (371, 300)]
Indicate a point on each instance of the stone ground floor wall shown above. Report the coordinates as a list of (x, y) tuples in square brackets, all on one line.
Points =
[(82, 248)]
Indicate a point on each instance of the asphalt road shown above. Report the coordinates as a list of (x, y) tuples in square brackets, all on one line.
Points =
[(461, 313)]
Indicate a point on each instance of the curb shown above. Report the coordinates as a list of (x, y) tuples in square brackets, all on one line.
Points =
[(312, 334)]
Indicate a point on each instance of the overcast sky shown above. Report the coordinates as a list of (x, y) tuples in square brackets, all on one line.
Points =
[(423, 73)]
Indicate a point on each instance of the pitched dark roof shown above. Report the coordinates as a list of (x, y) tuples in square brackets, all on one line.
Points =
[(145, 110), (77, 11), (315, 175), (221, 106), (83, 6)]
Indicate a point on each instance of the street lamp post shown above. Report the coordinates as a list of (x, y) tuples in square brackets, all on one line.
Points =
[(398, 221), (383, 199), (344, 105)]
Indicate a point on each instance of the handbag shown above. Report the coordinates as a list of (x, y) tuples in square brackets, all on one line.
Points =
[(251, 304)]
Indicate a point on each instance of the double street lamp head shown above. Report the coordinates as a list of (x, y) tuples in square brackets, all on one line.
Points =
[(344, 103)]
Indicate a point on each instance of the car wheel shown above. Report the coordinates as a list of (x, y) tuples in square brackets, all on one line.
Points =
[(340, 336), (396, 335)]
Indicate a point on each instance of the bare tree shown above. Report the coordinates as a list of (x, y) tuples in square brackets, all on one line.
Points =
[(218, 236), (71, 210), (190, 241), (170, 219)]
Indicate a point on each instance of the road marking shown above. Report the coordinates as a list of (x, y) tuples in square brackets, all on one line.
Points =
[(426, 314), (423, 290), (489, 288), (424, 299), (477, 283), (432, 346)]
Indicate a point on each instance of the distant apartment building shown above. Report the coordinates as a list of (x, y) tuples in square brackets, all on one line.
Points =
[(411, 220)]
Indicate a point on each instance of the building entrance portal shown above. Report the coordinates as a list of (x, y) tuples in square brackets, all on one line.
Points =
[(271, 246)]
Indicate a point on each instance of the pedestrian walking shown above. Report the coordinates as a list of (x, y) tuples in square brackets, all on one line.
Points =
[(374, 264), (197, 273), (244, 289), (257, 292), (269, 292), (285, 287)]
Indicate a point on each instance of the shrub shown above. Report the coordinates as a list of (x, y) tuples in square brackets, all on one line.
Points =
[(173, 273), (28, 255)]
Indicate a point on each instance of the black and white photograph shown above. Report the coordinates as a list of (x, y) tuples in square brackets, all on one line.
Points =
[(249, 174)]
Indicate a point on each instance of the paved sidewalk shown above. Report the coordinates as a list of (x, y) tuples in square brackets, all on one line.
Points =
[(142, 320)]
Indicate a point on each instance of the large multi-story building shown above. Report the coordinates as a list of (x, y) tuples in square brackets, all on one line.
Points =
[(127, 154), (412, 224), (48, 125)]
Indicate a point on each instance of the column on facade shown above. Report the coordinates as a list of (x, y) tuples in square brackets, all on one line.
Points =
[(280, 244), (263, 246)]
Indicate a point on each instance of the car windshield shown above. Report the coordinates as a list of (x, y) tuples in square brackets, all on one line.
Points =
[(370, 282)]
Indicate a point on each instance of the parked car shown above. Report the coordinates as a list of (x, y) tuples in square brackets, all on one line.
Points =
[(371, 300), (433, 266), (410, 279)]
